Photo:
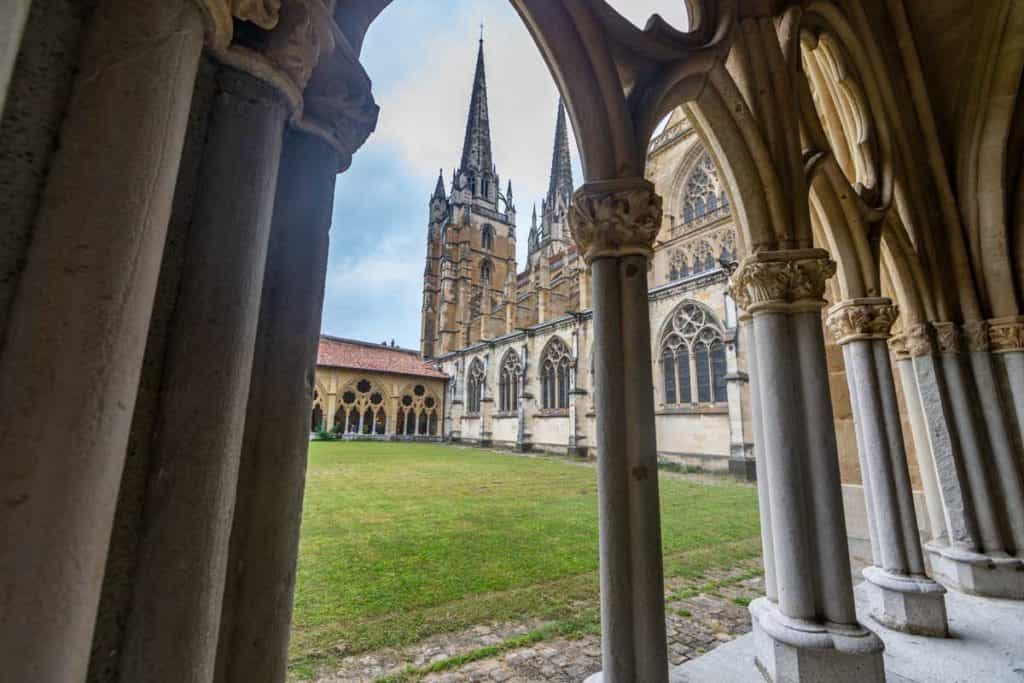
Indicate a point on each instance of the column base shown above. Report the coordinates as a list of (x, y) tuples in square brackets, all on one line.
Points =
[(795, 651), (912, 604), (577, 451), (744, 470), (976, 574)]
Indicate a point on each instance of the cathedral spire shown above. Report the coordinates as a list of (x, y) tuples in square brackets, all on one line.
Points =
[(561, 185), (439, 192), (476, 151)]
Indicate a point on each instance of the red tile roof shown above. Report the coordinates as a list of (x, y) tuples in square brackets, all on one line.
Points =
[(348, 353)]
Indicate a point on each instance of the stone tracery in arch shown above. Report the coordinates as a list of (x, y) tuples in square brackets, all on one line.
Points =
[(509, 381), (692, 357), (419, 412), (703, 198), (476, 380), (555, 365), (362, 409)]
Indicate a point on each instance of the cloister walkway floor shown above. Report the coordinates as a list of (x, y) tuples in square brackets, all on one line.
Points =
[(985, 647)]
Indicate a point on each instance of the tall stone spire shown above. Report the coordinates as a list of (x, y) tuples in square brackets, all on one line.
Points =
[(439, 191), (561, 184), (476, 151)]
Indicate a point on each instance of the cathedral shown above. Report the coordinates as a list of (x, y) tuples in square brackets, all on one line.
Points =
[(517, 344)]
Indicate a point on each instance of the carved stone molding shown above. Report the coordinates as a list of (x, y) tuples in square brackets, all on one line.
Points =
[(782, 281), (898, 347), (615, 218), (221, 15), (976, 336), (1006, 335), (859, 319), (947, 337), (918, 340)]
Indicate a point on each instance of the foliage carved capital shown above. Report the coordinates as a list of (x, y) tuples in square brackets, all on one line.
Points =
[(947, 337), (1006, 335), (782, 281), (221, 15), (918, 340), (860, 319), (898, 347), (976, 336), (615, 218)]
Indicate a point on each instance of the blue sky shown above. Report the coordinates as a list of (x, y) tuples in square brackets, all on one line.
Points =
[(420, 55)]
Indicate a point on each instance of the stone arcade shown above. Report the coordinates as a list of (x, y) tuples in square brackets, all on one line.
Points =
[(167, 174)]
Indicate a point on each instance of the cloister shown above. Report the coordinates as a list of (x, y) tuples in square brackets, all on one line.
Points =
[(167, 177)]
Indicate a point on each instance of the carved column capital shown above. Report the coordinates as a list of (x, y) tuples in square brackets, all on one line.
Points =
[(221, 15), (615, 218), (858, 319), (947, 337), (1006, 335), (898, 347), (917, 339), (975, 336), (782, 281)]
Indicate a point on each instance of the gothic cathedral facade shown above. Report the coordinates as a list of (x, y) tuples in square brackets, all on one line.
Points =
[(517, 345)]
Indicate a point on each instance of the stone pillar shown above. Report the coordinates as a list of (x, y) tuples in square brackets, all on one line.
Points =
[(809, 630), (260, 584), (76, 333), (1006, 336), (614, 224), (742, 464), (919, 431), (903, 597), (172, 630), (486, 405), (576, 395), (522, 428)]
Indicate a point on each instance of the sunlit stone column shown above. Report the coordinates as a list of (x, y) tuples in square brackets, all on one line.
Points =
[(614, 224), (903, 597), (76, 332), (487, 403), (522, 427), (260, 582), (742, 463), (172, 629), (808, 631), (577, 410)]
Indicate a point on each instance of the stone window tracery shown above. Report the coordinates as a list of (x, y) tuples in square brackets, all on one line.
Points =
[(704, 198), (485, 272), (692, 358), (362, 410), (475, 381), (417, 412), (487, 238), (509, 382), (554, 375)]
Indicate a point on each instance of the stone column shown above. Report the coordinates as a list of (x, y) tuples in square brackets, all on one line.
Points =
[(172, 631), (742, 464), (903, 597), (808, 631), (522, 429), (614, 224), (575, 395), (1006, 336), (76, 333), (919, 431), (260, 583)]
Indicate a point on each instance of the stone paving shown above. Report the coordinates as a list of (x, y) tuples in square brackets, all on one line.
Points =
[(700, 615)]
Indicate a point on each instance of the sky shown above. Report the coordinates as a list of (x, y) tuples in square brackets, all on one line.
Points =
[(421, 55)]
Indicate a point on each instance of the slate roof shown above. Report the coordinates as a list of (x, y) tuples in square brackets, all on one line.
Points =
[(336, 352)]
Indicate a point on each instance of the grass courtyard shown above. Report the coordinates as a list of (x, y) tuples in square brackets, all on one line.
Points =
[(403, 541)]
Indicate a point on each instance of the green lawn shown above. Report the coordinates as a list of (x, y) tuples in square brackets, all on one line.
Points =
[(402, 541)]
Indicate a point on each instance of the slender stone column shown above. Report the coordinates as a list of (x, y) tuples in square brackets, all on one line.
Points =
[(903, 596), (1006, 336), (486, 404), (614, 224), (522, 429), (69, 369), (173, 627), (807, 630), (919, 431), (575, 394), (257, 604)]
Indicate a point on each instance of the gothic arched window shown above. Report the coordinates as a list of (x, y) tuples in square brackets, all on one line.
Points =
[(485, 272), (487, 238), (554, 375), (693, 357), (475, 386), (508, 382), (703, 193)]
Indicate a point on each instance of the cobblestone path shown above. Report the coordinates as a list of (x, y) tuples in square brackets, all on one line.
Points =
[(701, 614)]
